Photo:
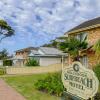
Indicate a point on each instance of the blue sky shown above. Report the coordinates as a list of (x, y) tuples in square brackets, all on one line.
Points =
[(36, 22)]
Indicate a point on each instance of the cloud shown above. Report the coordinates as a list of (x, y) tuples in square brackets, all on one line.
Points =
[(38, 21)]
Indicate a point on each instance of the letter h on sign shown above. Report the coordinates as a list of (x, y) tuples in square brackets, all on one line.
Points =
[(89, 83)]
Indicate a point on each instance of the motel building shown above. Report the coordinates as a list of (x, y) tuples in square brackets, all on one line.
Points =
[(91, 30)]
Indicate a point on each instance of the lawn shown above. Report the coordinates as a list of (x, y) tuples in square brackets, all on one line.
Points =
[(25, 86)]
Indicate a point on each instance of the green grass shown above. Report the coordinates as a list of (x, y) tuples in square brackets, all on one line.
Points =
[(25, 86)]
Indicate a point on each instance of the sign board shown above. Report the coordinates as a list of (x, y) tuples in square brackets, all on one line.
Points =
[(80, 81)]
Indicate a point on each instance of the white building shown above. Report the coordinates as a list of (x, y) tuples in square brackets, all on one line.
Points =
[(48, 56), (44, 55)]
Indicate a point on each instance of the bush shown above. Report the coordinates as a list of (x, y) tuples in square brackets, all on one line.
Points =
[(97, 70), (32, 62), (51, 84), (2, 71), (7, 63)]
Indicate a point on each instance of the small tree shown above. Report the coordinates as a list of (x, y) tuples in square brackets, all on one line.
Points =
[(32, 62), (3, 54), (5, 30)]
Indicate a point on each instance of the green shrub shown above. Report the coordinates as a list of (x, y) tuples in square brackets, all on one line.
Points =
[(97, 70), (51, 84), (2, 71), (7, 62), (32, 62)]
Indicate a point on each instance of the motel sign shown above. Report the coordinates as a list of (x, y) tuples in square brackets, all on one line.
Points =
[(80, 81)]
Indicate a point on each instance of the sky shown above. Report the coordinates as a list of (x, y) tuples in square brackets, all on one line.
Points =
[(37, 22)]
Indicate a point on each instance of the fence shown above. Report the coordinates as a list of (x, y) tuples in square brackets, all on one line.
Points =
[(33, 70)]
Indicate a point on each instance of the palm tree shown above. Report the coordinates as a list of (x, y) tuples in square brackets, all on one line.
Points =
[(73, 46), (96, 48)]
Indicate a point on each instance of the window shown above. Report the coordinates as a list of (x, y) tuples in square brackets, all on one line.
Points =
[(84, 61), (81, 36)]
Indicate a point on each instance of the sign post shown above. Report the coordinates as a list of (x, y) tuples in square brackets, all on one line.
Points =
[(80, 81)]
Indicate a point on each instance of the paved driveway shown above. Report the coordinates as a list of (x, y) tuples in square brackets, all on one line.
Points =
[(8, 93)]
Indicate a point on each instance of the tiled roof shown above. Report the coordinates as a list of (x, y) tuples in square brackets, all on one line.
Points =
[(50, 51), (92, 22), (35, 52), (26, 49)]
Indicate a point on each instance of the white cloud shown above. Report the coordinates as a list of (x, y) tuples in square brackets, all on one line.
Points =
[(46, 19)]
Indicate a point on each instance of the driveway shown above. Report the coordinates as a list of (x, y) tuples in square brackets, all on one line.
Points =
[(8, 93)]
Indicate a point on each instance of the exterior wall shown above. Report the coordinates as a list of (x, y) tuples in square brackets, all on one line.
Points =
[(92, 60), (24, 54), (93, 35), (18, 62), (45, 61)]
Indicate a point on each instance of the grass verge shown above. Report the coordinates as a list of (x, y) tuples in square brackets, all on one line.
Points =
[(25, 86)]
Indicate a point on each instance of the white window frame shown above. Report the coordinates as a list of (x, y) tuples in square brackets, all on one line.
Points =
[(84, 61), (81, 36)]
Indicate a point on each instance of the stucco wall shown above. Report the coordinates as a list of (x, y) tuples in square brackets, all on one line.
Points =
[(45, 61)]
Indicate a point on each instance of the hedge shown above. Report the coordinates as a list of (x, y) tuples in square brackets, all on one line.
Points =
[(2, 71), (7, 63)]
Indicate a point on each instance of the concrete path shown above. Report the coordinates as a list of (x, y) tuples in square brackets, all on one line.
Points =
[(8, 93)]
